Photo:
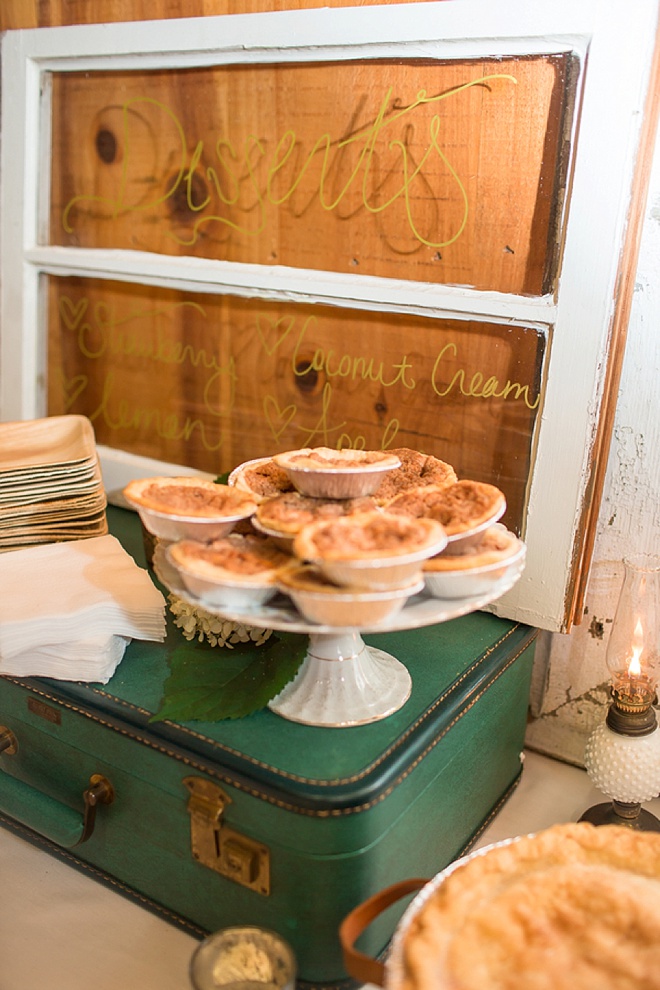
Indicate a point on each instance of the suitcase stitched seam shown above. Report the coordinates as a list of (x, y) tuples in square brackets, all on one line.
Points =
[(494, 812), (308, 812), (312, 780), (415, 763), (365, 770)]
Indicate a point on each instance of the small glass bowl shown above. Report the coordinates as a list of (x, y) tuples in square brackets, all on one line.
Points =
[(323, 602), (243, 957)]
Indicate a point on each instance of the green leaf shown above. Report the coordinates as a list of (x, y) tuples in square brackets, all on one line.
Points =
[(222, 479), (209, 684)]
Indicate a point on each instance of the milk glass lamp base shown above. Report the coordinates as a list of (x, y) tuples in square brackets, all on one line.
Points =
[(343, 682), (626, 768)]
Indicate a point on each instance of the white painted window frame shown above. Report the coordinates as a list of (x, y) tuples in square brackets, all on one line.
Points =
[(614, 41)]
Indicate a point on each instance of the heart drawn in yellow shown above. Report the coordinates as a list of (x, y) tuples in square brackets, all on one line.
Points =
[(279, 329), (390, 433), (72, 313), (278, 419), (72, 388)]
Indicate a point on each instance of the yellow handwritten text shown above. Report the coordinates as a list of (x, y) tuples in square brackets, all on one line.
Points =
[(277, 418), (323, 432), (119, 414), (358, 368), (108, 335), (268, 170), (477, 386)]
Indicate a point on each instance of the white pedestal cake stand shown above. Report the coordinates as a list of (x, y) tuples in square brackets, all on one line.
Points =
[(342, 681)]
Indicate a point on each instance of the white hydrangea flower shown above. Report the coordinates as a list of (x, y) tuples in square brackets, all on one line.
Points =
[(196, 622)]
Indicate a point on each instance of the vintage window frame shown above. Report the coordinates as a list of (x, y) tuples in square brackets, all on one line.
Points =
[(615, 46)]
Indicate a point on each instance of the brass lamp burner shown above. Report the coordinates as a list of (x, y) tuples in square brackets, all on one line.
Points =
[(631, 712)]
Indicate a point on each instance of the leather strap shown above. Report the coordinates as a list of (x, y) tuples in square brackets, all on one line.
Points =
[(358, 965)]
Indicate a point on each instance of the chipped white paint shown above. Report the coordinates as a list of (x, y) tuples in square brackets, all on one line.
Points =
[(570, 677)]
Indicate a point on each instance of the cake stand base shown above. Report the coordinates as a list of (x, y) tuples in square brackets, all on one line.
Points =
[(342, 682)]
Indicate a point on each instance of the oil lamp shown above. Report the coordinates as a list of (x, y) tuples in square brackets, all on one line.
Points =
[(622, 755)]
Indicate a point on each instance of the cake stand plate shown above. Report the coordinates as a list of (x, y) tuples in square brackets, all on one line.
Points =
[(342, 681)]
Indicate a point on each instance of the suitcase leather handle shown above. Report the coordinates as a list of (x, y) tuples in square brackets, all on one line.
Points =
[(50, 818), (358, 965)]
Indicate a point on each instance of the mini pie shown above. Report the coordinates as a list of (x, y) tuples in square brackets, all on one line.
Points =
[(417, 501), (307, 577), (416, 469), (189, 497), (366, 535), (262, 478), (289, 512), (326, 473), (321, 600), (326, 459), (496, 544), (460, 507), (574, 906), (232, 559)]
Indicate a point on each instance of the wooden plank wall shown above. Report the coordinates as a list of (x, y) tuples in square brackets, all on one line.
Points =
[(52, 13), (407, 170)]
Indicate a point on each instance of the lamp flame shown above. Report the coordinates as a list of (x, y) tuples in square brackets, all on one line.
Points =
[(635, 667)]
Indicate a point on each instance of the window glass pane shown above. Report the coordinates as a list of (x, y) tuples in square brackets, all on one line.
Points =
[(210, 381), (441, 172)]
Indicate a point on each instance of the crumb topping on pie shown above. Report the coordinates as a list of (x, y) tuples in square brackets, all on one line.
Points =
[(264, 478), (368, 534), (189, 497), (326, 459), (459, 507), (416, 469), (573, 906), (417, 501), (289, 512), (496, 545), (236, 556)]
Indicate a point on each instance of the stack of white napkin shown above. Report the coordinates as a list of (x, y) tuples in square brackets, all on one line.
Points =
[(68, 610)]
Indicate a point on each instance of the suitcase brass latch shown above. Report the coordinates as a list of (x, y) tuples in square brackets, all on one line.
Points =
[(220, 848), (8, 742)]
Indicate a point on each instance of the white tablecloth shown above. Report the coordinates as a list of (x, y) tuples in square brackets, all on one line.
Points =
[(59, 930)]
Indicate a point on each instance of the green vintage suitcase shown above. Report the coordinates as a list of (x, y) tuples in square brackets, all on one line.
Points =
[(262, 820)]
